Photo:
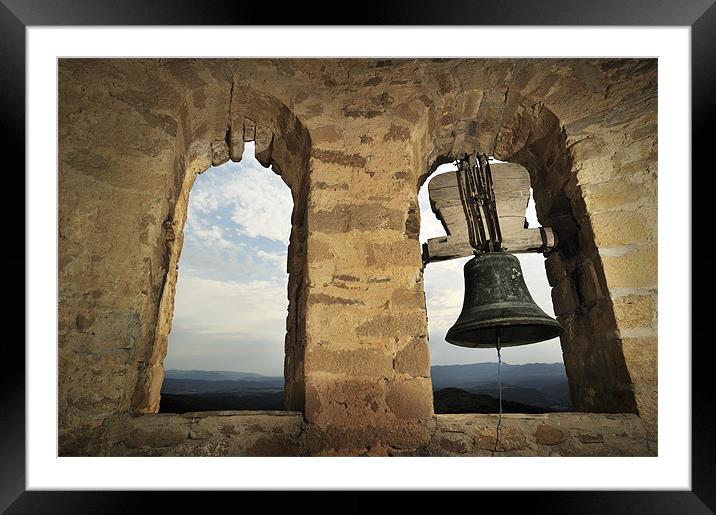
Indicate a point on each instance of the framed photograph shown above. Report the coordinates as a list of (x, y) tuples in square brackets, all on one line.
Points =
[(450, 281)]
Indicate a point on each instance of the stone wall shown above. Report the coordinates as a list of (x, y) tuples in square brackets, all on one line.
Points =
[(266, 433), (550, 434), (216, 433), (354, 140)]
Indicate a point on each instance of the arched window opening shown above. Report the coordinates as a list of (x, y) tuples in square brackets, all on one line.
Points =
[(464, 379), (226, 345)]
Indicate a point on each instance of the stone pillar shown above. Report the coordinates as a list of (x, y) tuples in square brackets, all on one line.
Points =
[(368, 389), (116, 161), (605, 281), (621, 200)]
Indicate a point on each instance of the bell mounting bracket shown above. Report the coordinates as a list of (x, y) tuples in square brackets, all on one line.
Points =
[(477, 195)]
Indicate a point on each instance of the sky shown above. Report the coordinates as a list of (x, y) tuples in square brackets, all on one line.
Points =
[(231, 297)]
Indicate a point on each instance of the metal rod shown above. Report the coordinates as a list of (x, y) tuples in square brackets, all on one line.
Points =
[(493, 203), (474, 238), (483, 193), (473, 200), (499, 388), (477, 194)]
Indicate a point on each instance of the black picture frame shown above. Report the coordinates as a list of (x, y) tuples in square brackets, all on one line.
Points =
[(700, 15)]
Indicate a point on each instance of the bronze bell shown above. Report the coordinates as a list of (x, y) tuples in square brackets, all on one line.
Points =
[(497, 304)]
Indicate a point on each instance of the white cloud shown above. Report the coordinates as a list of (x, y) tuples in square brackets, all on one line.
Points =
[(231, 297), (228, 325), (206, 234), (444, 291), (258, 200), (250, 310), (276, 258)]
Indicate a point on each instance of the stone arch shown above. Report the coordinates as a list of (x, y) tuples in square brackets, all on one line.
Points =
[(512, 127), (282, 143)]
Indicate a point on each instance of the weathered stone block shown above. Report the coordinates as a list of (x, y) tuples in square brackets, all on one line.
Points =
[(410, 398), (323, 298), (549, 435), (413, 359), (359, 362), (407, 298), (513, 438), (340, 400), (396, 253), (647, 401), (390, 326), (636, 269), (557, 267), (236, 145), (264, 145), (219, 153), (324, 324), (454, 444), (589, 284), (634, 311), (318, 249), (369, 440), (216, 433), (328, 133), (618, 194), (397, 133), (641, 359), (249, 130), (337, 157), (161, 435), (591, 438), (356, 217), (617, 228), (564, 297)]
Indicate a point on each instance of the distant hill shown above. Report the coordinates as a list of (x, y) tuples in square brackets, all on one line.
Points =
[(171, 385), (184, 403), (214, 375), (541, 385), (210, 390), (525, 388), (455, 400), (523, 375)]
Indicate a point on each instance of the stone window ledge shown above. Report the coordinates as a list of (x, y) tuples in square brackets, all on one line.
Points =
[(549, 434), (285, 433)]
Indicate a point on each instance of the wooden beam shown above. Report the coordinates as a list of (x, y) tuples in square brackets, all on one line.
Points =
[(512, 192)]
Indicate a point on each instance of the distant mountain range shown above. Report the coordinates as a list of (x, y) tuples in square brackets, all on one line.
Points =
[(531, 388), (542, 385), (209, 390), (214, 375)]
